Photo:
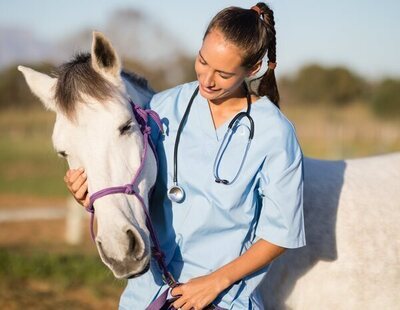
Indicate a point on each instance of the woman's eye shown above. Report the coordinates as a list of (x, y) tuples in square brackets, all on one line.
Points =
[(225, 77), (202, 61)]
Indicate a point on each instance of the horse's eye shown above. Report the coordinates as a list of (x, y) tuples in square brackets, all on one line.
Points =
[(124, 128), (62, 154)]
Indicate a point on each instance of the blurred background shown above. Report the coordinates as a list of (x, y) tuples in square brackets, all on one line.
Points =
[(338, 73)]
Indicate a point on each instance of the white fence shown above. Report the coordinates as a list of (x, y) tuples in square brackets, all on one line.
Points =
[(73, 213)]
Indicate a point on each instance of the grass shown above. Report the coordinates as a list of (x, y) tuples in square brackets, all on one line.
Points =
[(68, 269), (41, 278), (28, 164), (353, 131)]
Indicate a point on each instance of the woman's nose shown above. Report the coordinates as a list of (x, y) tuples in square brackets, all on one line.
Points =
[(209, 80)]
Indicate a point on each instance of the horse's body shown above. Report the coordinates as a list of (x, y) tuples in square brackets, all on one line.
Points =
[(352, 257), (352, 207)]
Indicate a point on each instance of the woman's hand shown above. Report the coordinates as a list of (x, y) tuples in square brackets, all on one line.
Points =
[(197, 293), (77, 184)]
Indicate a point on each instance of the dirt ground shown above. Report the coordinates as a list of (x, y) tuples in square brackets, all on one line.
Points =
[(11, 200)]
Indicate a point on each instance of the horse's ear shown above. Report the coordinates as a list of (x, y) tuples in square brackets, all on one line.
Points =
[(42, 85), (104, 58)]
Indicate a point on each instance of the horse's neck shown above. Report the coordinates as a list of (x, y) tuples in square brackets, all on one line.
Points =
[(139, 95)]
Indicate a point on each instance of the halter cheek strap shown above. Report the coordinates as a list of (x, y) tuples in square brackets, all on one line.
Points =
[(142, 117)]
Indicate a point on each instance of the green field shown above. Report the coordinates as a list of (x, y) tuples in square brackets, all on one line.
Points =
[(28, 164)]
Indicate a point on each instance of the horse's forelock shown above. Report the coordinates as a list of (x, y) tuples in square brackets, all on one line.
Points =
[(78, 77)]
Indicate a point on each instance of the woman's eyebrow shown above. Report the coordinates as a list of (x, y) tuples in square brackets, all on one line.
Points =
[(220, 71)]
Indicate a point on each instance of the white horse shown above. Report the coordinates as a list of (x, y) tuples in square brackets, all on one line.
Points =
[(95, 129), (352, 257), (352, 207)]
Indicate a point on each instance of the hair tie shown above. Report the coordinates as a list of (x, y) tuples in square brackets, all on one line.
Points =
[(257, 9), (271, 65)]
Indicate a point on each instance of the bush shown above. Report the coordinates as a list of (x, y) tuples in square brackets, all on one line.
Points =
[(386, 99), (316, 84)]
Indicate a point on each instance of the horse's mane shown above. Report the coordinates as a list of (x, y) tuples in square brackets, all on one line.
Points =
[(138, 80), (77, 77)]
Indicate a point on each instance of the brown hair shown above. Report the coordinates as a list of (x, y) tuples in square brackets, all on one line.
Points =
[(253, 31), (78, 77)]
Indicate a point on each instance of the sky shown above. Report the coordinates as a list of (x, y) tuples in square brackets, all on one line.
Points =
[(363, 35)]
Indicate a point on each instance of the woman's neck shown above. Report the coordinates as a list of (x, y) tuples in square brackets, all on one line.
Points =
[(236, 101)]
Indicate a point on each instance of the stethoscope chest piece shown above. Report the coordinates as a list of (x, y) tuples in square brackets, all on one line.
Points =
[(176, 193)]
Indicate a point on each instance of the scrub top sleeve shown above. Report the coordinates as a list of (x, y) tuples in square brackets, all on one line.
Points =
[(281, 219)]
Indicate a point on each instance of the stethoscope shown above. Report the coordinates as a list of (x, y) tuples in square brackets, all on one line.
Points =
[(176, 192)]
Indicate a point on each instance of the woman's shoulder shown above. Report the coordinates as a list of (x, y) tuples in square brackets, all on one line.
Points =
[(271, 118), (274, 132), (174, 94)]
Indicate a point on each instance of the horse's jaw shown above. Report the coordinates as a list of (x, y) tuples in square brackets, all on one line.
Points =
[(123, 244)]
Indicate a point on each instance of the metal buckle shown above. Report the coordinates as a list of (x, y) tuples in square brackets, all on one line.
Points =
[(170, 281)]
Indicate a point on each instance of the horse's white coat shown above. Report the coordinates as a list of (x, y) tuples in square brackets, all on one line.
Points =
[(92, 140), (352, 257)]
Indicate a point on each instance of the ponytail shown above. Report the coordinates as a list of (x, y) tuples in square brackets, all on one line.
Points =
[(267, 82)]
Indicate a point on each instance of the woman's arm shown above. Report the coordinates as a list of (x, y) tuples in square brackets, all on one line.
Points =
[(202, 291), (257, 256)]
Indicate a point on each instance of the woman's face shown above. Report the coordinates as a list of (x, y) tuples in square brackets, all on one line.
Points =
[(218, 68)]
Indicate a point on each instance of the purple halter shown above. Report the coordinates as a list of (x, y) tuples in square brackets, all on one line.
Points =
[(142, 117)]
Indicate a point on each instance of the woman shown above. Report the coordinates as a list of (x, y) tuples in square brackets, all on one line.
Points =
[(243, 202)]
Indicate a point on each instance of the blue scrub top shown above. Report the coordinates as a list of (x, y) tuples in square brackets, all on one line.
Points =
[(216, 223)]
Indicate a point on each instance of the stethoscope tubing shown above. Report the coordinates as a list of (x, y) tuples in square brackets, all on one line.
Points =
[(178, 134), (176, 192)]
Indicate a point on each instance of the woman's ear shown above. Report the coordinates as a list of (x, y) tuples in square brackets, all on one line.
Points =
[(254, 70)]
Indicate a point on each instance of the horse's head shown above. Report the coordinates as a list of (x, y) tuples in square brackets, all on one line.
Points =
[(95, 129)]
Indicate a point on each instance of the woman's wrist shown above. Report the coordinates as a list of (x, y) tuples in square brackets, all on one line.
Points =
[(222, 279)]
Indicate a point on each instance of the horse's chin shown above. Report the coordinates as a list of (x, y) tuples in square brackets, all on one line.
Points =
[(132, 276), (135, 260)]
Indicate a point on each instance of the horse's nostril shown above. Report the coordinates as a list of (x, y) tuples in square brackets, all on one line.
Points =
[(136, 246)]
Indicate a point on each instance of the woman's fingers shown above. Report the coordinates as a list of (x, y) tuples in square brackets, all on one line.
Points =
[(81, 192), (179, 303), (73, 176), (76, 182), (87, 201), (79, 182)]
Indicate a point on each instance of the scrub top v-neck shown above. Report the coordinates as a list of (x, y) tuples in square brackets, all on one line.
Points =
[(216, 223), (205, 119)]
